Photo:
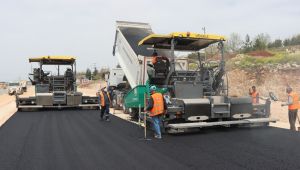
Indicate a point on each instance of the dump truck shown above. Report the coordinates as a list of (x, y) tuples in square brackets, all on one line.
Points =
[(117, 86), (196, 98), (55, 91)]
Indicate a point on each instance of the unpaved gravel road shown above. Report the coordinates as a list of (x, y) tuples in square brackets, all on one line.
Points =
[(78, 140)]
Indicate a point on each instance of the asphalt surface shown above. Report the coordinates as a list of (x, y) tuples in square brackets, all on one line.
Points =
[(78, 140)]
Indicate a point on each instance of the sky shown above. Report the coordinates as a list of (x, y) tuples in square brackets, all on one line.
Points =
[(86, 28)]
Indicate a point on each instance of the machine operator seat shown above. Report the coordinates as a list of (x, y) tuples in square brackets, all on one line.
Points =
[(69, 73), (39, 76), (69, 79), (161, 66)]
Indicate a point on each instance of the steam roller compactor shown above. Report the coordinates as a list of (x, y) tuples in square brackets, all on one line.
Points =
[(55, 91), (196, 98)]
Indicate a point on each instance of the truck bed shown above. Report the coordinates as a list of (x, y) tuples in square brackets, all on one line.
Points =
[(78, 140)]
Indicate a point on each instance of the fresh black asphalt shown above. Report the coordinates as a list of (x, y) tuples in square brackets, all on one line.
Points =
[(78, 140)]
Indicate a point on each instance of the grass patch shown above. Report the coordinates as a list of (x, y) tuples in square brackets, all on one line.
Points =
[(278, 58)]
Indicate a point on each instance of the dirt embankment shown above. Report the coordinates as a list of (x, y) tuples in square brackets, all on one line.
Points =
[(240, 82)]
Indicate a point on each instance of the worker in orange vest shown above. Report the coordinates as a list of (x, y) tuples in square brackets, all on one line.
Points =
[(293, 106), (254, 95), (104, 100), (157, 107), (156, 58)]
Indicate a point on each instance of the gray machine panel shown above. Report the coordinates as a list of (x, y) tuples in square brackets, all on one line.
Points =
[(188, 90), (74, 99), (44, 99), (42, 88), (196, 107), (240, 105)]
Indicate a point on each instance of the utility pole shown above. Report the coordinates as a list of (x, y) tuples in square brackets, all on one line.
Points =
[(204, 30), (92, 70)]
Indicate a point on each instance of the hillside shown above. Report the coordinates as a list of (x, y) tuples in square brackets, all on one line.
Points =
[(270, 71)]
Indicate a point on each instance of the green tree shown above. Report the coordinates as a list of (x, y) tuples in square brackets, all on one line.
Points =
[(287, 42), (103, 71), (234, 43), (261, 41), (95, 73), (276, 44), (295, 40), (88, 74), (247, 44)]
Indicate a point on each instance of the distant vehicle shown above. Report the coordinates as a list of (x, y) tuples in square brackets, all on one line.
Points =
[(14, 88), (3, 85), (23, 84)]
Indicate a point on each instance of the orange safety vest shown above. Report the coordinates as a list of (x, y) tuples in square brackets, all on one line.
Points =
[(102, 98), (158, 104), (295, 104), (254, 96)]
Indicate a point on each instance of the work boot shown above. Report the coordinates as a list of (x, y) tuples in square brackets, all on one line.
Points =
[(157, 136)]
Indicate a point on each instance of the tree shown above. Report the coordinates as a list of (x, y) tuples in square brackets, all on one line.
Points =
[(95, 73), (261, 41), (295, 40), (103, 71), (287, 42), (88, 74), (234, 42), (276, 44), (247, 44)]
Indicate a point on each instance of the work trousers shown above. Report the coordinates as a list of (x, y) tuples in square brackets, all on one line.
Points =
[(292, 118), (104, 111), (156, 124)]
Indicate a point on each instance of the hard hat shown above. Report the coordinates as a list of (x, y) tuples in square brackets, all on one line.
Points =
[(152, 88), (154, 53), (289, 89)]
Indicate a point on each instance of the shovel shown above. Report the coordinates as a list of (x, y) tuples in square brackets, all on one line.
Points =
[(298, 122)]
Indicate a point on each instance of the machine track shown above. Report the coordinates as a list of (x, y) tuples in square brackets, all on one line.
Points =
[(78, 140)]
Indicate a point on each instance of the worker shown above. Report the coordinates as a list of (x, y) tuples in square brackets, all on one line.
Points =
[(254, 94), (293, 106), (157, 107), (104, 104), (154, 57)]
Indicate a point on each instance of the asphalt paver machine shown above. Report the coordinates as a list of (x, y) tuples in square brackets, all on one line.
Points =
[(196, 98), (199, 98), (55, 91)]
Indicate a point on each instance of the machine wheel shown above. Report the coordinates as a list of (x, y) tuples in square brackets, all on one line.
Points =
[(115, 103), (125, 110), (134, 113)]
